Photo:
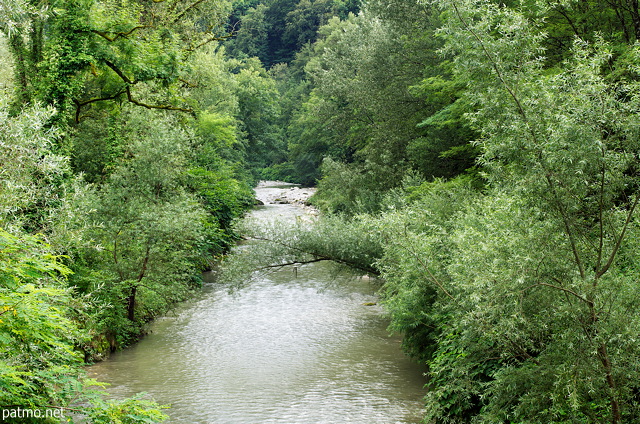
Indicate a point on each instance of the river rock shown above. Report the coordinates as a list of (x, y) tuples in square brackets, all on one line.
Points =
[(279, 192)]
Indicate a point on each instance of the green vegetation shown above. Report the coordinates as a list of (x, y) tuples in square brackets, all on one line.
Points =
[(124, 164), (481, 157)]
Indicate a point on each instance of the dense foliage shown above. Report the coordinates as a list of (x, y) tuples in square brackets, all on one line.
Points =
[(124, 136), (482, 158), (367, 89)]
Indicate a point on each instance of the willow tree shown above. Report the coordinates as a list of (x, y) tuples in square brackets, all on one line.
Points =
[(542, 278)]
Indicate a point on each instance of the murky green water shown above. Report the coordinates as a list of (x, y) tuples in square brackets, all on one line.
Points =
[(294, 349)]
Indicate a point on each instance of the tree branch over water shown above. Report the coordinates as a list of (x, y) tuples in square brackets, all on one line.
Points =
[(318, 257)]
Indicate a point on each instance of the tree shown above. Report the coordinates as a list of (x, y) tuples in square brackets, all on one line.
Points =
[(517, 296), (275, 30), (88, 52), (258, 114), (41, 318), (252, 37), (37, 337), (36, 179), (358, 109), (304, 21), (108, 175), (149, 229), (40, 366), (536, 331)]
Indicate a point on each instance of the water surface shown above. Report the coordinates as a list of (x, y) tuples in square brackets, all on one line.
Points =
[(298, 347)]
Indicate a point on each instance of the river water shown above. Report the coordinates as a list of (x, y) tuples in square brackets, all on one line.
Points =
[(294, 347)]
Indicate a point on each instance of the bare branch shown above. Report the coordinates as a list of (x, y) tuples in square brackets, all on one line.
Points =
[(310, 261), (162, 107), (80, 104), (567, 227), (187, 83), (569, 291), (601, 212), (186, 10), (614, 252), (119, 72), (105, 34)]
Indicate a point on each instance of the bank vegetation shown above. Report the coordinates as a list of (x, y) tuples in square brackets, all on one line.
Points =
[(481, 157)]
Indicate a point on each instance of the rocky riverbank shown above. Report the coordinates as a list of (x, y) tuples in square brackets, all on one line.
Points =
[(292, 193)]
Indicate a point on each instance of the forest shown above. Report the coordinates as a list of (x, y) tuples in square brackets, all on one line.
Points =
[(479, 157)]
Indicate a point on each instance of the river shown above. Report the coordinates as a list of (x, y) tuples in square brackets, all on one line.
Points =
[(293, 347)]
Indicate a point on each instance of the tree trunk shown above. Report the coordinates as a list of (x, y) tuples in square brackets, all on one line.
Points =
[(19, 53), (606, 363), (635, 17), (37, 30), (131, 303)]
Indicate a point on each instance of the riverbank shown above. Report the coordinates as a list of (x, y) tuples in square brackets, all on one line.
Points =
[(267, 193), (303, 346)]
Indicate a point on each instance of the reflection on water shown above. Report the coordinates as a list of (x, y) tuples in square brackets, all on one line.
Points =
[(286, 349)]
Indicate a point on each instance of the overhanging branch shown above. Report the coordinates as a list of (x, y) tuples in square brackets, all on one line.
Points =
[(282, 265), (105, 34), (162, 107), (80, 104), (318, 257)]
